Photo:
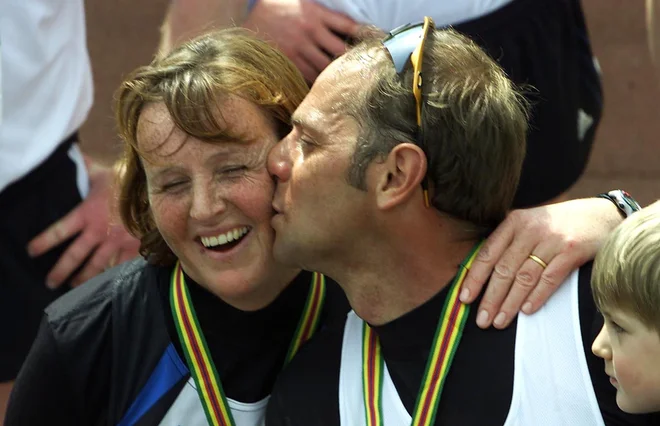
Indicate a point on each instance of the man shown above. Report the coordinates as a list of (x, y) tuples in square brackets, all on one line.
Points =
[(388, 183), (55, 224)]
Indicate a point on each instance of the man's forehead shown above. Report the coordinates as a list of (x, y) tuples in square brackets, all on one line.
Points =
[(335, 87), (350, 71)]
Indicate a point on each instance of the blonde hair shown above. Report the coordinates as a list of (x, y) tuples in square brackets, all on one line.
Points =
[(626, 272), (192, 81)]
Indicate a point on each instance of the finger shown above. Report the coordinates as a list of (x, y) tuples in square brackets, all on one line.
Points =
[(329, 42), (315, 57), (57, 233), (527, 278), (501, 280), (79, 250), (338, 22), (368, 31), (483, 264), (105, 256), (306, 69), (552, 277)]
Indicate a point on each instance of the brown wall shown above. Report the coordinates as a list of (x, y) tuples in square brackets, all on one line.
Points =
[(122, 34)]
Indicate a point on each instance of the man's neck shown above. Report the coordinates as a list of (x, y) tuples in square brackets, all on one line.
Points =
[(402, 278)]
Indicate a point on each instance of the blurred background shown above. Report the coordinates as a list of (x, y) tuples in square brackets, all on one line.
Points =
[(123, 34)]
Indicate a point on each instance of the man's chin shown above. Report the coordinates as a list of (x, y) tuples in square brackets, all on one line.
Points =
[(283, 253)]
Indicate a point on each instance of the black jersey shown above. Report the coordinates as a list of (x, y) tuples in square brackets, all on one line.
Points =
[(477, 391), (107, 353)]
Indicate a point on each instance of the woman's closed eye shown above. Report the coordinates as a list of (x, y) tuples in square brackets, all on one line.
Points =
[(172, 186)]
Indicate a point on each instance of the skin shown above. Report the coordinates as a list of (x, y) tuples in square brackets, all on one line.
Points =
[(200, 189), (631, 351), (309, 165), (370, 241)]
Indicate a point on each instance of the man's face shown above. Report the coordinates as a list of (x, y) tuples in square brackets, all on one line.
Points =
[(632, 360), (318, 213)]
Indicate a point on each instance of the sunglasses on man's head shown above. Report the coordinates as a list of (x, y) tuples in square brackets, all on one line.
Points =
[(406, 43)]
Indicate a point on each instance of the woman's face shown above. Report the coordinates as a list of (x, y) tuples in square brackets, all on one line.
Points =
[(211, 202)]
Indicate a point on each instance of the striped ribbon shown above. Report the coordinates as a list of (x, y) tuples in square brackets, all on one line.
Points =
[(445, 342), (197, 352), (372, 377)]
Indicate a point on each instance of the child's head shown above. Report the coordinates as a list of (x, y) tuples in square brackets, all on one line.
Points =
[(625, 283)]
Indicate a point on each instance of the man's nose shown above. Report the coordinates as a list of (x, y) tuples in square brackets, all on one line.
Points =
[(279, 161)]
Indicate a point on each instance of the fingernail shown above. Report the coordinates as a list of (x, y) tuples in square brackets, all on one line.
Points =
[(499, 319), (482, 319), (51, 284), (527, 308), (465, 295)]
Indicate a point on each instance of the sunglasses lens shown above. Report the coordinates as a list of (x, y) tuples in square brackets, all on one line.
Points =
[(401, 45)]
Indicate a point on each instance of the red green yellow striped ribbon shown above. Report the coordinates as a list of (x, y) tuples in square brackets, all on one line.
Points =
[(309, 321), (372, 377), (445, 342), (197, 353)]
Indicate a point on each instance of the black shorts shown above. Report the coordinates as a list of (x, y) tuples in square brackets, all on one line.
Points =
[(544, 43), (27, 207)]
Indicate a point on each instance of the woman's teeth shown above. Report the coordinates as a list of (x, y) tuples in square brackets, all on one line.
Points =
[(225, 238)]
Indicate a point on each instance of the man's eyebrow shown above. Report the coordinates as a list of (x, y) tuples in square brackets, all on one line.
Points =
[(303, 124)]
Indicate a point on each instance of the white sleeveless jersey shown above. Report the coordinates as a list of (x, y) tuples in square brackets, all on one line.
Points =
[(46, 80), (551, 383), (187, 410), (389, 14)]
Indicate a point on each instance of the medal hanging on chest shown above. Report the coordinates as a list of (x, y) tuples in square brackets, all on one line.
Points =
[(445, 342), (198, 356)]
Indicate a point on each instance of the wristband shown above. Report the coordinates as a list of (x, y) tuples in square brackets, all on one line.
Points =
[(623, 201)]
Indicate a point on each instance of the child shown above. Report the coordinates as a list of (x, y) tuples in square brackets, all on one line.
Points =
[(625, 283)]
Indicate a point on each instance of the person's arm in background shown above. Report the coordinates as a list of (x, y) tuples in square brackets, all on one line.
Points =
[(309, 34), (653, 32), (186, 19), (99, 242)]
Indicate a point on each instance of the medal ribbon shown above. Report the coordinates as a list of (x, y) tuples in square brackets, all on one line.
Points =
[(445, 342), (198, 356)]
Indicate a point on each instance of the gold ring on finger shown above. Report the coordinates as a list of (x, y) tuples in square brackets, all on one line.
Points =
[(539, 261)]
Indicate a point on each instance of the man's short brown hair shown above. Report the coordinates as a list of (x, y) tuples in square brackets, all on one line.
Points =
[(474, 125), (192, 81)]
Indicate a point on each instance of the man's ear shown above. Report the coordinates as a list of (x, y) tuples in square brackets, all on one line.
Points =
[(401, 175)]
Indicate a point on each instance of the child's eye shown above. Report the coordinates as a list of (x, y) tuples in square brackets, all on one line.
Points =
[(616, 327)]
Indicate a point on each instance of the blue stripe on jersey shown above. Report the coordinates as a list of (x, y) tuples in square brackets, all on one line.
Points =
[(168, 372)]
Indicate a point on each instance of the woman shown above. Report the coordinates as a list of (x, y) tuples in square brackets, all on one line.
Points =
[(197, 333), (147, 342)]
